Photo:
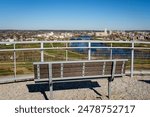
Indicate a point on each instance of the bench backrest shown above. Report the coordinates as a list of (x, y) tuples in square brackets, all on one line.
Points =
[(79, 69)]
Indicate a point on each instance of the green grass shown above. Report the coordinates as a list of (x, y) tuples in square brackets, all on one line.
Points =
[(30, 45), (121, 45), (6, 69), (142, 45)]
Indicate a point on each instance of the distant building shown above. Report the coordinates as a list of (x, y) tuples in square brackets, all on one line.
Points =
[(9, 40), (105, 31), (102, 34), (110, 32)]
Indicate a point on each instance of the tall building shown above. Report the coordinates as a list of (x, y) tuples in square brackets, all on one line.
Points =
[(105, 31)]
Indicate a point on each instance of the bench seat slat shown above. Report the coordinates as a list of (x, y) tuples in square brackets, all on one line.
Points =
[(80, 78)]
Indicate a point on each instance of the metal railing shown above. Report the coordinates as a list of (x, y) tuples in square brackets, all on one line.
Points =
[(14, 55)]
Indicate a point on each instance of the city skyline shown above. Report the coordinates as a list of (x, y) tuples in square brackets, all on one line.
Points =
[(75, 14)]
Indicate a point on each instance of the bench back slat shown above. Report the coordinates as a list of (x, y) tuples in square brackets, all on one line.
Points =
[(79, 69)]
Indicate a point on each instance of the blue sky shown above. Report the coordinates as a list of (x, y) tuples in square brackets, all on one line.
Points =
[(75, 14)]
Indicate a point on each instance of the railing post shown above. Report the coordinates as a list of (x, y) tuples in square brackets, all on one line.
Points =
[(89, 50), (111, 51), (66, 52), (42, 52), (132, 60), (50, 81), (14, 61)]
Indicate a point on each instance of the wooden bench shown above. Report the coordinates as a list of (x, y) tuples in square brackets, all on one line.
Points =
[(78, 70)]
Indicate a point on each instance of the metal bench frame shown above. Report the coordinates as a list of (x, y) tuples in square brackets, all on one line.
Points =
[(52, 80)]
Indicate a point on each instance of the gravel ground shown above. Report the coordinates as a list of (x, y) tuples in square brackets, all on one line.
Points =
[(137, 88)]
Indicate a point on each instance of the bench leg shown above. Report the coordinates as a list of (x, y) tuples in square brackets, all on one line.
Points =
[(109, 88), (51, 90)]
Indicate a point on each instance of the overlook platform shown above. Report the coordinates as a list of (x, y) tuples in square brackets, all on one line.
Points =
[(127, 88)]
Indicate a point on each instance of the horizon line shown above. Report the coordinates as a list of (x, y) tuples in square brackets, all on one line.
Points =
[(81, 29)]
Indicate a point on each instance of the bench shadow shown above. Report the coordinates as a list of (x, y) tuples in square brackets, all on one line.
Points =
[(146, 81), (43, 87)]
